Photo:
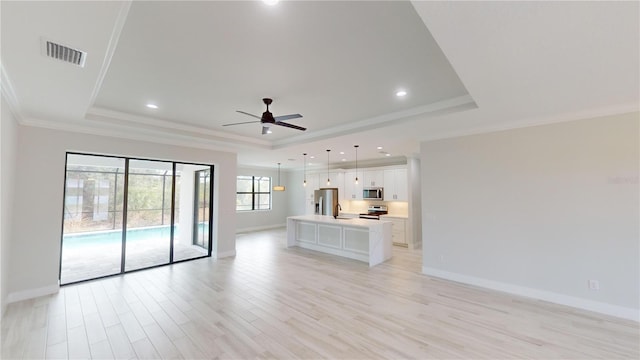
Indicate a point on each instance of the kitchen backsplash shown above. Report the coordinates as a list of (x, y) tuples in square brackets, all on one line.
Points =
[(360, 206)]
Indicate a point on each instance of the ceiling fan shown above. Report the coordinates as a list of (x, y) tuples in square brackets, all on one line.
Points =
[(268, 119)]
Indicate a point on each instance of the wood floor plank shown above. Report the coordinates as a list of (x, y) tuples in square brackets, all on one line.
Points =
[(56, 351), (37, 344), (78, 344), (119, 342), (161, 342), (57, 329), (145, 350), (101, 350)]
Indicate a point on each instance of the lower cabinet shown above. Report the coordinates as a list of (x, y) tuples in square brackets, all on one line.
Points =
[(398, 230)]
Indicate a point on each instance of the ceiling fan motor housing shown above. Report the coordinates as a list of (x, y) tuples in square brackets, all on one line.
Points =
[(267, 117)]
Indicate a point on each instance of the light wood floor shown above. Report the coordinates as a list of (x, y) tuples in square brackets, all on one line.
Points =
[(273, 302)]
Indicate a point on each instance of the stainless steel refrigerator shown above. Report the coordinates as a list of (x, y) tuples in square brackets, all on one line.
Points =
[(326, 200)]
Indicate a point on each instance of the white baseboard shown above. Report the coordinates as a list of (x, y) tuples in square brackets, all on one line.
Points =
[(32, 293), (225, 254), (258, 228), (576, 302)]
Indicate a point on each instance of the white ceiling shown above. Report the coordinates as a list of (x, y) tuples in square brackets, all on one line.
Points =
[(469, 67)]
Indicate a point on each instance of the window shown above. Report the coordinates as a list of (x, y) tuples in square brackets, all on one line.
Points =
[(254, 193)]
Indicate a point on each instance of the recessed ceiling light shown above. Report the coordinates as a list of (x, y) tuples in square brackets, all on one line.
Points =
[(152, 106), (269, 131), (341, 152), (387, 154), (313, 157), (379, 147), (401, 93), (270, 2), (344, 159)]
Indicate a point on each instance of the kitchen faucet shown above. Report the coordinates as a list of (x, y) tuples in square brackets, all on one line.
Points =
[(335, 213)]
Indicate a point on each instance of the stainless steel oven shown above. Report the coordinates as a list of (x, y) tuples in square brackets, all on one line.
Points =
[(374, 212)]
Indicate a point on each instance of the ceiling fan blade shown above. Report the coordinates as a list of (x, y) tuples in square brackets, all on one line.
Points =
[(246, 113), (240, 123), (290, 125), (287, 117)]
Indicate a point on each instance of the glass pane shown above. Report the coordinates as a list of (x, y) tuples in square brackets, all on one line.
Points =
[(263, 201), (148, 235), (191, 238), (262, 184), (244, 184), (92, 228), (243, 202)]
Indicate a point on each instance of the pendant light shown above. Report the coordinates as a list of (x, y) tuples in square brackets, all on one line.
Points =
[(278, 187), (304, 183), (328, 179), (356, 146)]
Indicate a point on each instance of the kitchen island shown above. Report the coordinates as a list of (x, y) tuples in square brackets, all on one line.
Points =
[(360, 239)]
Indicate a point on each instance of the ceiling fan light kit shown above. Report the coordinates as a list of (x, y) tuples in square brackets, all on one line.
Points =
[(267, 119)]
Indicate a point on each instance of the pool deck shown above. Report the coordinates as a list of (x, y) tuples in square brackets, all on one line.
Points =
[(89, 262)]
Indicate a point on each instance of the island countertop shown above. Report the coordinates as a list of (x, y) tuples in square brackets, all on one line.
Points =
[(356, 222)]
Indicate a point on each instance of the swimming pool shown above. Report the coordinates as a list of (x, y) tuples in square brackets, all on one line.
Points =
[(114, 237)]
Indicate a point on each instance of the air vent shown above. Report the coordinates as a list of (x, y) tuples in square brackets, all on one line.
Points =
[(64, 53)]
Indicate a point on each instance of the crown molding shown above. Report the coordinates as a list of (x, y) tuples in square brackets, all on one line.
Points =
[(112, 118), (456, 104), (9, 94), (537, 121), (148, 135)]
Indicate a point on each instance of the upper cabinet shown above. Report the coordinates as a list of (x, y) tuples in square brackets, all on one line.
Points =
[(394, 181), (353, 191), (395, 185), (373, 178)]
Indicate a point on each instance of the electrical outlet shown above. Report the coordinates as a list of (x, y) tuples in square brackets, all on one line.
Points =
[(593, 284)]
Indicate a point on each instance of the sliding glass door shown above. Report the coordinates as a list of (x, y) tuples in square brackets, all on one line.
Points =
[(148, 231), (92, 217), (125, 214)]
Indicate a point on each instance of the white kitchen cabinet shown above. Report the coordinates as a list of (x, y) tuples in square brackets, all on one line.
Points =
[(398, 229), (353, 191), (373, 178), (395, 185)]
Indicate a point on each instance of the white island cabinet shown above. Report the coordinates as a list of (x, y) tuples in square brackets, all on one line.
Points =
[(360, 239)]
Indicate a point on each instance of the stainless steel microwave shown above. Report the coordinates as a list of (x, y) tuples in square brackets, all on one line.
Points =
[(372, 193)]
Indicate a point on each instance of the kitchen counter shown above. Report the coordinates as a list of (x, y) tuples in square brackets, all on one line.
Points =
[(394, 216), (360, 239)]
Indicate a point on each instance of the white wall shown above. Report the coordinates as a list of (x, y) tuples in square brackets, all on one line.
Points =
[(8, 152), (296, 199), (37, 223), (415, 208), (265, 219), (538, 211)]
